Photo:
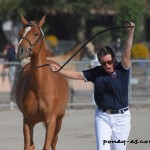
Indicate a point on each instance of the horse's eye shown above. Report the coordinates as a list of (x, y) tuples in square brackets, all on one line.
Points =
[(36, 34)]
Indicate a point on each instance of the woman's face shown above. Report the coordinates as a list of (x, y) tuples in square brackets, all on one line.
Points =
[(107, 63)]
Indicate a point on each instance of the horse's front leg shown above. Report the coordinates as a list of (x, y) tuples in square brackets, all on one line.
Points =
[(57, 129), (50, 125), (28, 136)]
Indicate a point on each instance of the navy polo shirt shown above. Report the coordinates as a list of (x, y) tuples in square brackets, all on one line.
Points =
[(110, 91)]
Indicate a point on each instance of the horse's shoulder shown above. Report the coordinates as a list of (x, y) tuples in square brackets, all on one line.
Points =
[(25, 71)]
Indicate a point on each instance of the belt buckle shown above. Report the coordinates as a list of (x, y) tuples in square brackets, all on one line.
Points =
[(121, 111), (108, 111)]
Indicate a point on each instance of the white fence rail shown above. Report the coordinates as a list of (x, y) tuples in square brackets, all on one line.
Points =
[(81, 92), (140, 81)]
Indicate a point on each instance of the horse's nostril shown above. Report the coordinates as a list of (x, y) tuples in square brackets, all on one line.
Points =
[(21, 50)]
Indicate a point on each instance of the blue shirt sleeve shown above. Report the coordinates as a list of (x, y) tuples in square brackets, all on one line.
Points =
[(90, 74)]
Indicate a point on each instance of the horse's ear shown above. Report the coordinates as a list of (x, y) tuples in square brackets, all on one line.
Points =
[(42, 21), (23, 20)]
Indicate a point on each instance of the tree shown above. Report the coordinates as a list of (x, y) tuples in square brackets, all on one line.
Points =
[(8, 9), (79, 10), (83, 10), (130, 10)]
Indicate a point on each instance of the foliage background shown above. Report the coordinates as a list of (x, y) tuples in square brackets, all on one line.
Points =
[(123, 10)]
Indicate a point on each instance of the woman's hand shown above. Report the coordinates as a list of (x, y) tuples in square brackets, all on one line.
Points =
[(130, 25), (54, 67)]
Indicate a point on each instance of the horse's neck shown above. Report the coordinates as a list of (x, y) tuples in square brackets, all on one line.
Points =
[(38, 71), (39, 74), (40, 57)]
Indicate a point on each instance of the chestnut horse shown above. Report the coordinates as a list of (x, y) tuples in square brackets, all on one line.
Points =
[(88, 50), (41, 95)]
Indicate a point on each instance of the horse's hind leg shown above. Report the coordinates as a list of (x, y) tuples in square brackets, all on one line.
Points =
[(28, 137), (57, 129)]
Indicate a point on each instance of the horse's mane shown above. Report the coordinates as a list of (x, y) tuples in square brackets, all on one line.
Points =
[(33, 22)]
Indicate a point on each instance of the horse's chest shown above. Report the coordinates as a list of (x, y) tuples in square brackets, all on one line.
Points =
[(35, 106)]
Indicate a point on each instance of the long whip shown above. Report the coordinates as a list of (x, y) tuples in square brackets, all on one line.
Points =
[(108, 29)]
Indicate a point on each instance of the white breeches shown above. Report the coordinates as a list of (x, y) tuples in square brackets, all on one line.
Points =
[(112, 130)]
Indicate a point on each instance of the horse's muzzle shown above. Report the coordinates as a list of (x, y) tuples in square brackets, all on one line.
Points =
[(22, 53)]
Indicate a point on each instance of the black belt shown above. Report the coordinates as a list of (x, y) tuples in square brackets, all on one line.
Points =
[(111, 111)]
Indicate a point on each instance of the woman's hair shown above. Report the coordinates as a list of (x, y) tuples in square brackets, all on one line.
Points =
[(106, 50)]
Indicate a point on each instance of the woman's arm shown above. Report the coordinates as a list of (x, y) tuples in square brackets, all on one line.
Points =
[(126, 55), (68, 73)]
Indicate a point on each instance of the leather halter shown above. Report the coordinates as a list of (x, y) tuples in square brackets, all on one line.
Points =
[(29, 50)]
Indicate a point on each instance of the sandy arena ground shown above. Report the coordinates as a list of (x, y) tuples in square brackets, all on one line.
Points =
[(77, 131)]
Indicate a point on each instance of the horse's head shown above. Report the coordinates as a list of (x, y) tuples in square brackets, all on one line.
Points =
[(30, 38), (89, 50)]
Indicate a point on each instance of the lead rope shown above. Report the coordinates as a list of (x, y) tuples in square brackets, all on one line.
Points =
[(108, 29)]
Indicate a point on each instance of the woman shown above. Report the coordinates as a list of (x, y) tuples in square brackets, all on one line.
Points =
[(112, 115)]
